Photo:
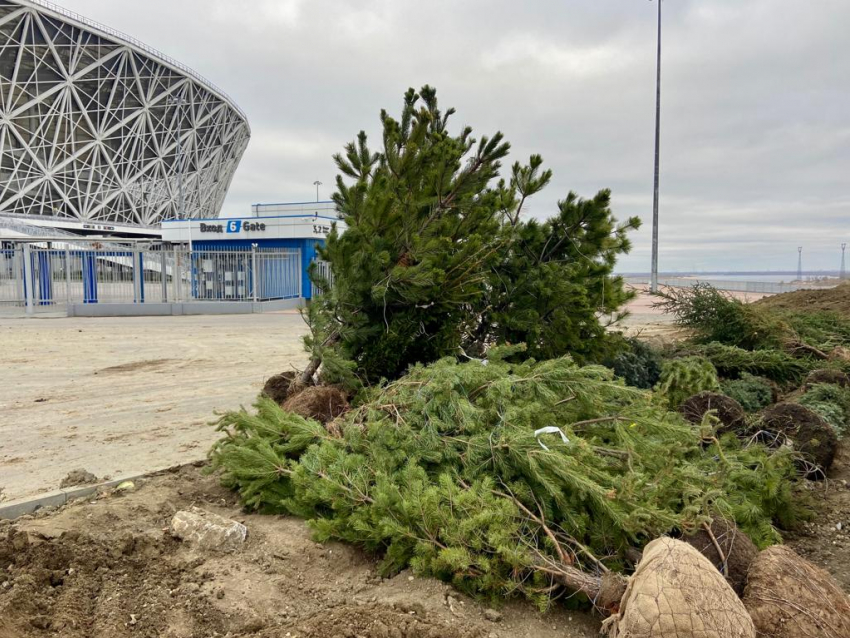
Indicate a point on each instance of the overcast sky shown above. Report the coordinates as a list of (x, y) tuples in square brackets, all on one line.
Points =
[(755, 120)]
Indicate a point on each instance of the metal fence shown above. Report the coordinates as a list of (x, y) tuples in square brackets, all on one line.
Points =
[(39, 274), (766, 287), (323, 270)]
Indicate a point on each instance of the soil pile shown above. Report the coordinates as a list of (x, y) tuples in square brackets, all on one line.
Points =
[(835, 299), (78, 477), (108, 567)]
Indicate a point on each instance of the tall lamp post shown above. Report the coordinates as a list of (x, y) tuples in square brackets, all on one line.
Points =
[(653, 286), (317, 183)]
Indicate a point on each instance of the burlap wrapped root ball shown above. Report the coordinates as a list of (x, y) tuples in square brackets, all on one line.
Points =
[(788, 597), (677, 593)]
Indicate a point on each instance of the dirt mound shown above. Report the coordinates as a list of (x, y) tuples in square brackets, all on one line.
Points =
[(835, 299), (107, 567), (727, 410), (78, 587), (277, 387), (677, 593), (811, 435), (738, 551), (78, 477), (788, 597), (836, 377), (320, 402)]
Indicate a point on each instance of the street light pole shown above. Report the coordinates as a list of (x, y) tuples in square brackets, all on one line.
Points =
[(317, 183), (653, 286)]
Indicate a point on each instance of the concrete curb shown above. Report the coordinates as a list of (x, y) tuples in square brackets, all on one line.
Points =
[(58, 498)]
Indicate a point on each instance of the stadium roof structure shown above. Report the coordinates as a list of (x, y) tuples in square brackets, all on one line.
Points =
[(97, 127)]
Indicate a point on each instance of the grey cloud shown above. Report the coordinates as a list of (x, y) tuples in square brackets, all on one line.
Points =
[(756, 137)]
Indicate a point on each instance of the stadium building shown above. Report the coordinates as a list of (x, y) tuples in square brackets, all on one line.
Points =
[(101, 134)]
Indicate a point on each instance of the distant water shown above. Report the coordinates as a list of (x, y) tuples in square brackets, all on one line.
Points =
[(765, 277)]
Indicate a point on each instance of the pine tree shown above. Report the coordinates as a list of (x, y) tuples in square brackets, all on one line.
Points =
[(437, 261)]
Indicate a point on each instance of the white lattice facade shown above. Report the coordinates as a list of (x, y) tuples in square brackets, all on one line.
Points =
[(97, 127)]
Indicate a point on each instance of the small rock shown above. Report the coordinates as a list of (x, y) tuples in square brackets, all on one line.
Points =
[(839, 526), (133, 620), (492, 615), (208, 530)]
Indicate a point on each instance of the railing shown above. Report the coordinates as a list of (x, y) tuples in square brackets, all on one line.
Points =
[(73, 15), (765, 287), (31, 230), (323, 269), (40, 274)]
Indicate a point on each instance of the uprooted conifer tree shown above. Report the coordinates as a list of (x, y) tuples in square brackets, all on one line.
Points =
[(437, 260)]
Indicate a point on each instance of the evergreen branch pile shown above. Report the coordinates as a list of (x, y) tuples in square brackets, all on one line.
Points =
[(448, 470), (731, 362)]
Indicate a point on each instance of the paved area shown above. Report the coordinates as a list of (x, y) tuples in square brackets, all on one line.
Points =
[(127, 395)]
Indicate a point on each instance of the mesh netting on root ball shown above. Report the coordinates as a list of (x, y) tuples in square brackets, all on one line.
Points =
[(809, 433), (836, 377), (729, 413), (323, 403), (677, 593), (728, 548), (788, 597)]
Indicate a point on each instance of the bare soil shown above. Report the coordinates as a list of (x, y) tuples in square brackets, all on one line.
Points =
[(108, 567), (825, 540), (835, 299)]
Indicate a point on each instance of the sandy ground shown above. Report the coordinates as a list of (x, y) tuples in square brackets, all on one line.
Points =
[(650, 323), (119, 396), (128, 395)]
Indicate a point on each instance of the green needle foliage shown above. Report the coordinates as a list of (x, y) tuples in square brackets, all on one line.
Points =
[(832, 402), (445, 471), (685, 377), (436, 260), (715, 316), (753, 393), (777, 365)]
